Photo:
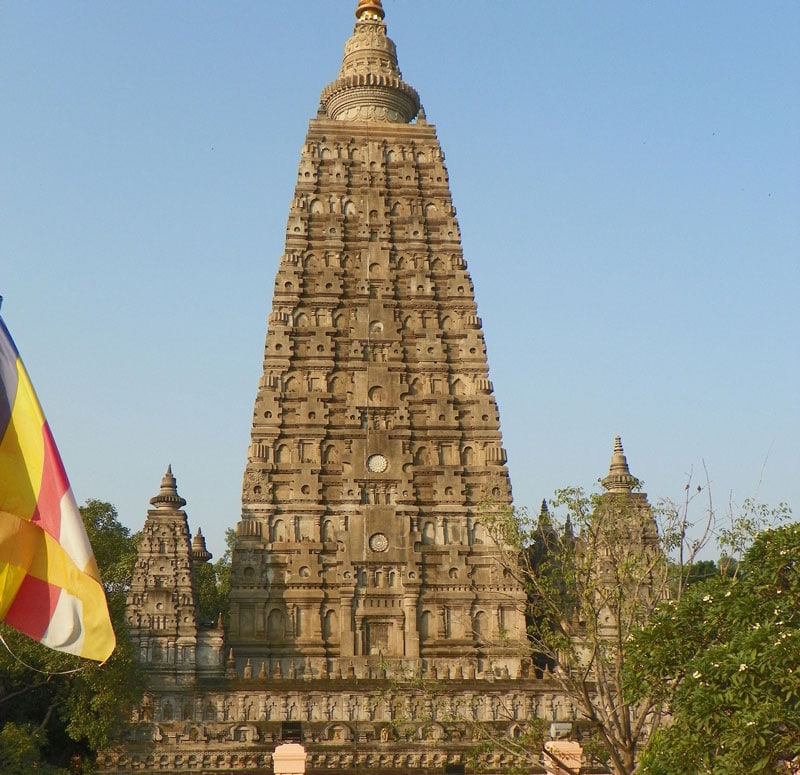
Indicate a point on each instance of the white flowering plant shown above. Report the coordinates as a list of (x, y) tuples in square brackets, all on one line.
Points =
[(726, 659)]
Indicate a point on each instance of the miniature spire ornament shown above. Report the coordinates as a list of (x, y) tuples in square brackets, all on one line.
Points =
[(619, 477), (200, 552), (168, 497)]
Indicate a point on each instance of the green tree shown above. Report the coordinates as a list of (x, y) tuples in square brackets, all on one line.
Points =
[(725, 658), (702, 570), (597, 569), (56, 710)]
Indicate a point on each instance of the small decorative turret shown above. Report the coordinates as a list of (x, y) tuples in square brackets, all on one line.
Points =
[(162, 605), (199, 551), (619, 479), (370, 86), (168, 497), (544, 513), (161, 602)]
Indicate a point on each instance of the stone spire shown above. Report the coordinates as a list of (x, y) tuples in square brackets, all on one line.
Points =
[(544, 524), (370, 86), (161, 602), (619, 479), (376, 435), (168, 497), (199, 551)]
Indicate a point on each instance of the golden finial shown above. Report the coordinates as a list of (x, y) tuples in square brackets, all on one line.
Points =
[(369, 9)]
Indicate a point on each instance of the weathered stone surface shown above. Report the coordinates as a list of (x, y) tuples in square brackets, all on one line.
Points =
[(368, 603), (161, 601)]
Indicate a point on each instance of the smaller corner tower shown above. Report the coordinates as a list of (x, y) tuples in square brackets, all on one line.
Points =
[(625, 507), (623, 542), (162, 606)]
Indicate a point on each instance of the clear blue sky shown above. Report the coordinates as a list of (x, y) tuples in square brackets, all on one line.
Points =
[(627, 178)]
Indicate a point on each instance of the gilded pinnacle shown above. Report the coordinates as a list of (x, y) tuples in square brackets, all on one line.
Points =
[(369, 9)]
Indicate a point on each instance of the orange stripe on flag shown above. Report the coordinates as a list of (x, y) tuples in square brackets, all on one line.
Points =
[(33, 607), (47, 513)]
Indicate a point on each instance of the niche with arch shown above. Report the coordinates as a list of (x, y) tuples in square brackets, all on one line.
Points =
[(377, 393), (331, 455), (277, 531), (330, 625), (426, 625), (276, 625), (337, 386)]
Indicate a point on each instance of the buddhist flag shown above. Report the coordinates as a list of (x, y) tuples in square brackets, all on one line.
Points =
[(49, 583)]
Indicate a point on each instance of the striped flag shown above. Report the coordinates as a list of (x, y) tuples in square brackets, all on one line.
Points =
[(49, 583)]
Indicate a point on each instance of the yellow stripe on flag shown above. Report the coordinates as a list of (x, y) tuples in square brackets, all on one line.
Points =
[(11, 577), (25, 549), (22, 451)]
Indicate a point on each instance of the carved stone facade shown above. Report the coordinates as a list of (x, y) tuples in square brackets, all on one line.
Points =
[(161, 602), (370, 617), (375, 437)]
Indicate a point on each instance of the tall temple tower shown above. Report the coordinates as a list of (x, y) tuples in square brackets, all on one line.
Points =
[(372, 617), (375, 441)]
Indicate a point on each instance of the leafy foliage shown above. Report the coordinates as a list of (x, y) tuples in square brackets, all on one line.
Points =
[(56, 709), (702, 570), (598, 568), (594, 571), (726, 657)]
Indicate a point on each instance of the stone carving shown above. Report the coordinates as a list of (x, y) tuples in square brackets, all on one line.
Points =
[(375, 439)]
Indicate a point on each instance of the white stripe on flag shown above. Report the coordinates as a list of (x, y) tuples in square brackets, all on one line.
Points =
[(65, 631), (73, 537)]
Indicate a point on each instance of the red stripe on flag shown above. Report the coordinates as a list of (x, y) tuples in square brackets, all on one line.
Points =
[(47, 513), (33, 607)]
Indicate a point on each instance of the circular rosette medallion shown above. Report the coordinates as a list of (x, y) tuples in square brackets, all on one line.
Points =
[(378, 542), (377, 464)]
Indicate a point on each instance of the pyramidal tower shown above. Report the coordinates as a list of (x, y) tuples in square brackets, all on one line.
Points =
[(372, 619), (376, 444)]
